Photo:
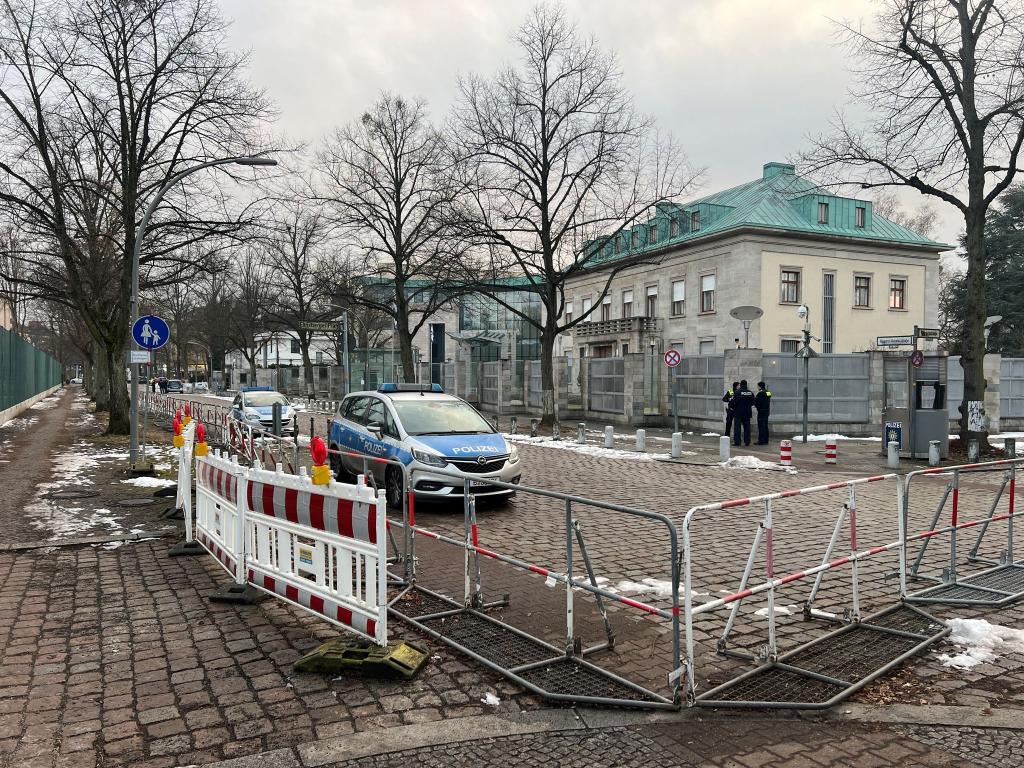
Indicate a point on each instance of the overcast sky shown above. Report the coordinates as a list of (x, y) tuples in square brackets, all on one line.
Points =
[(739, 82)]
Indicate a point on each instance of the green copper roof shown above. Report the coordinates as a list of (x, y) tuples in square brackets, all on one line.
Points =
[(779, 200)]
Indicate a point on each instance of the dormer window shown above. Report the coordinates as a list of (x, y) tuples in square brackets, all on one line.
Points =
[(673, 227), (695, 221), (823, 213), (652, 234), (860, 216), (636, 238)]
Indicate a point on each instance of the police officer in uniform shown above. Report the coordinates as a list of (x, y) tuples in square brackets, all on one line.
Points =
[(743, 409), (763, 403), (727, 399)]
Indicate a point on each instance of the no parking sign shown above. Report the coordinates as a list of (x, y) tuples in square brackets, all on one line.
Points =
[(673, 358)]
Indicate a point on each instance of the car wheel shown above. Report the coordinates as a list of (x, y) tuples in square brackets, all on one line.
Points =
[(337, 468), (394, 487)]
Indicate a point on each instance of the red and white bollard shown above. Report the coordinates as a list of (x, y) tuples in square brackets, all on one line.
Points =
[(831, 451), (786, 453)]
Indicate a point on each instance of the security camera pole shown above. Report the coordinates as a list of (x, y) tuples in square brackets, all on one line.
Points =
[(806, 353)]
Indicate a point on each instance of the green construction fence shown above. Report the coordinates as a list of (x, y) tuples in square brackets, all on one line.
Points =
[(24, 370)]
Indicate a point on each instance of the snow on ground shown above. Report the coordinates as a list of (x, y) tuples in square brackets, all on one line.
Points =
[(980, 642), (833, 436), (149, 482), (752, 462), (45, 404), (780, 610), (590, 450), (21, 423)]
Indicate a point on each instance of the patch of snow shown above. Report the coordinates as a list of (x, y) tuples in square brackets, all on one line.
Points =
[(833, 436), (21, 423), (780, 610), (654, 587), (711, 434), (490, 699), (752, 462), (597, 451), (45, 404), (150, 482), (981, 642)]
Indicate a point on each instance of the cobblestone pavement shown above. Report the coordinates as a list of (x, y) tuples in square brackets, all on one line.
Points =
[(111, 654), (990, 747), (753, 744)]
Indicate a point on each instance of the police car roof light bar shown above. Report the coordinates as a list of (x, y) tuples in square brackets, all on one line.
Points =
[(403, 387), (255, 389)]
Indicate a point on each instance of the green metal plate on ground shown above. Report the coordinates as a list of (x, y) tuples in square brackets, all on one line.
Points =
[(398, 659)]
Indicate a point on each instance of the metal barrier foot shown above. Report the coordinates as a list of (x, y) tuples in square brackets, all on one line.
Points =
[(186, 548), (173, 513), (239, 594), (398, 659)]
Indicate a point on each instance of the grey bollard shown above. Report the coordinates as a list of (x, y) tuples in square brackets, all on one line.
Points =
[(513, 425), (677, 445), (894, 455), (973, 451), (609, 437), (1010, 448), (556, 431), (533, 427), (933, 453), (581, 433), (641, 440), (724, 446)]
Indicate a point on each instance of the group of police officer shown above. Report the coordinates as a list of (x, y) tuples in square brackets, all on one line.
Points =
[(739, 407)]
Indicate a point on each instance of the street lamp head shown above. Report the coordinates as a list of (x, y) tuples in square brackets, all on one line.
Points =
[(255, 161), (992, 320)]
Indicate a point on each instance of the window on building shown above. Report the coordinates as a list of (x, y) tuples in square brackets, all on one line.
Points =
[(652, 301), (823, 213), (606, 308), (319, 358), (860, 214), (695, 221), (625, 348), (636, 238), (627, 303), (618, 245), (652, 234), (568, 311), (828, 311), (790, 286), (678, 296), (673, 227), (790, 346), (295, 347), (862, 290), (587, 304), (707, 293), (707, 347), (897, 293)]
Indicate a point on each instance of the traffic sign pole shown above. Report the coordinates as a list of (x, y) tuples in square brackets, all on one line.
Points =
[(672, 359)]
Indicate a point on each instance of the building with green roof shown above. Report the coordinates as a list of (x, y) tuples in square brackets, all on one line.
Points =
[(776, 242)]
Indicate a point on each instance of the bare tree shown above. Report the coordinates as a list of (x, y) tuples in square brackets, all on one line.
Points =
[(388, 180), (307, 272), (558, 157), (101, 102), (944, 83), (250, 295), (924, 219)]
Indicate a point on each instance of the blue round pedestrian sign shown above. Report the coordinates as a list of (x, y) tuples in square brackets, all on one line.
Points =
[(150, 332)]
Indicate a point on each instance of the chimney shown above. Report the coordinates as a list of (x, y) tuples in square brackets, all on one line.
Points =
[(771, 170)]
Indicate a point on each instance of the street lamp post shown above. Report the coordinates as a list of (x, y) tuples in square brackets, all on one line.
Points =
[(804, 313), (133, 415)]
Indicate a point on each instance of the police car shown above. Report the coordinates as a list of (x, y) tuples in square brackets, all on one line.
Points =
[(255, 406), (427, 431)]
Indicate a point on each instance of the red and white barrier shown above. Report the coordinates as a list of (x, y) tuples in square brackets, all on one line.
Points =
[(786, 453), (183, 497), (218, 516), (831, 451)]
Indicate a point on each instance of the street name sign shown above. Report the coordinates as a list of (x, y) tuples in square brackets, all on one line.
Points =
[(895, 341), (323, 326), (140, 356)]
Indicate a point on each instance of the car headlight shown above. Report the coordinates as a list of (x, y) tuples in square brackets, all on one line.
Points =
[(251, 414), (513, 454), (430, 459)]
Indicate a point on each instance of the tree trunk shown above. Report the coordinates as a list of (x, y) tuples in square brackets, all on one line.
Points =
[(405, 348), (118, 384), (102, 381), (549, 410), (972, 346)]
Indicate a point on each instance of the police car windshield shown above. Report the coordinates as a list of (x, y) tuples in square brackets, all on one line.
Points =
[(439, 417), (263, 399)]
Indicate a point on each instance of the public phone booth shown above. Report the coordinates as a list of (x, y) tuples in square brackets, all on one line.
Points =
[(914, 412)]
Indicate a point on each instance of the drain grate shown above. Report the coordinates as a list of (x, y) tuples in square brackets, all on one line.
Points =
[(772, 685), (417, 603), (72, 495), (566, 677), (854, 654), (144, 502), (494, 642), (906, 619)]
